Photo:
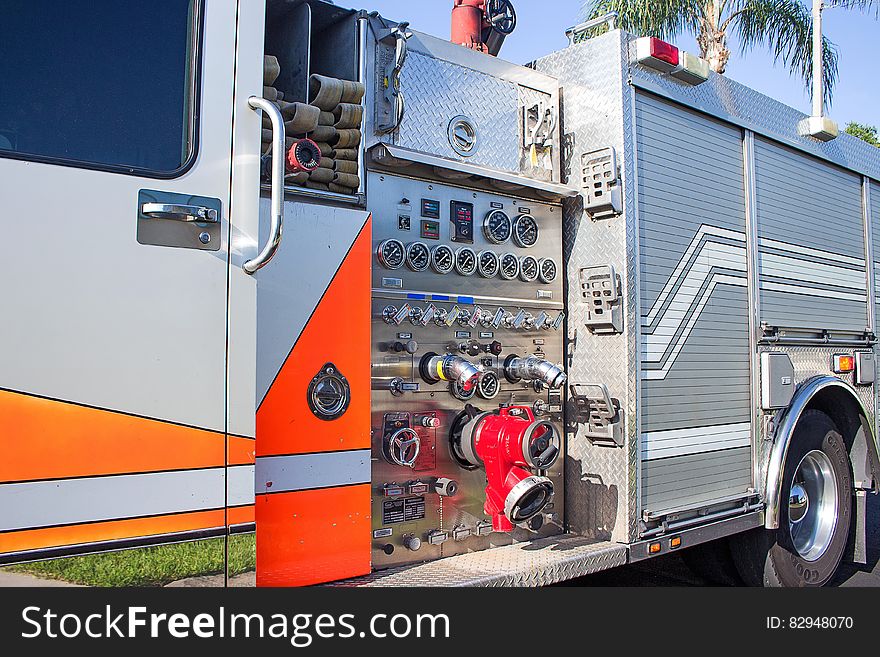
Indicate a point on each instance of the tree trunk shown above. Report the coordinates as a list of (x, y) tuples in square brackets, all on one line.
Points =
[(713, 48)]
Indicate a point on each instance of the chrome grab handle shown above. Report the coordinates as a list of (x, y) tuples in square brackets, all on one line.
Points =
[(574, 32), (179, 212), (277, 202)]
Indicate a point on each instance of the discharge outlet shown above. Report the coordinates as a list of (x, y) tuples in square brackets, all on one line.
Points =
[(434, 368), (533, 368), (512, 446)]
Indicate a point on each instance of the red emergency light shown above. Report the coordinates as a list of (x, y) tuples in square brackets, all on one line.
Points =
[(666, 58)]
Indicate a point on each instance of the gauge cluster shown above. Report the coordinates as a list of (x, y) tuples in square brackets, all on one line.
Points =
[(432, 237)]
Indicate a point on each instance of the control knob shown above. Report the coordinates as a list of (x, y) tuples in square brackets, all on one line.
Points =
[(410, 346), (446, 487), (402, 447), (430, 421), (412, 542)]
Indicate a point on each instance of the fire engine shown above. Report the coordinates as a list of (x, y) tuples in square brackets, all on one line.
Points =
[(416, 315)]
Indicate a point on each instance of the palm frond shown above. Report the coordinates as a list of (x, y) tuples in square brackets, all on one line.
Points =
[(785, 27), (661, 18)]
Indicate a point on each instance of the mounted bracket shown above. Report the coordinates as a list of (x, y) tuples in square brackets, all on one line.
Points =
[(601, 292), (591, 405), (600, 180)]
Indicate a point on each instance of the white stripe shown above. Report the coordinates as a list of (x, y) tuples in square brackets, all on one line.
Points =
[(816, 253), (810, 272), (676, 274), (695, 440), (277, 474), (813, 291), (655, 345), (70, 501)]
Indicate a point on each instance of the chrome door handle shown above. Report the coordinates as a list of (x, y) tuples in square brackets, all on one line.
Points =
[(178, 212), (277, 212)]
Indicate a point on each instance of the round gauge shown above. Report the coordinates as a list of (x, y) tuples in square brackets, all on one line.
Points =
[(442, 259), (391, 254), (509, 266), (488, 385), (487, 264), (525, 231), (466, 261), (497, 227), (459, 392), (528, 269), (418, 257), (547, 270)]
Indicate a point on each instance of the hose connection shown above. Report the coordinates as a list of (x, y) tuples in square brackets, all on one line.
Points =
[(434, 368), (533, 368)]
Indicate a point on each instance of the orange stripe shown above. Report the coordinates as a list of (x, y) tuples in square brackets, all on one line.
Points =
[(314, 536), (240, 515), (47, 439), (285, 424), (36, 539)]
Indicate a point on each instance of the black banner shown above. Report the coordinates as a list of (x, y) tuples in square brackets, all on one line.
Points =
[(437, 621)]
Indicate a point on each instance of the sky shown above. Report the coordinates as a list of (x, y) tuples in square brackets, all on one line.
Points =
[(541, 30)]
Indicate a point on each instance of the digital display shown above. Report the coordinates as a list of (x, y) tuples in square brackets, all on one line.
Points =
[(430, 209), (430, 229), (462, 217)]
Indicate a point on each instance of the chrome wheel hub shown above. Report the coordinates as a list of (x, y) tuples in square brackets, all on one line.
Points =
[(812, 506)]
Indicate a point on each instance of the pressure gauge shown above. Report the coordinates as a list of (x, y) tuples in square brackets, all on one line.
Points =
[(391, 254), (509, 266), (528, 269), (497, 227), (418, 257), (547, 270), (487, 264), (488, 385), (525, 231), (466, 261), (442, 259), (461, 393)]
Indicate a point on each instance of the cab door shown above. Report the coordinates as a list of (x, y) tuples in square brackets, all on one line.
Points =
[(115, 167)]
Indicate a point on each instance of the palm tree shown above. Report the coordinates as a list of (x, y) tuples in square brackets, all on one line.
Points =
[(783, 26)]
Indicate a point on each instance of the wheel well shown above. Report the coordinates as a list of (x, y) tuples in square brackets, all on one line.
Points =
[(840, 401), (855, 427)]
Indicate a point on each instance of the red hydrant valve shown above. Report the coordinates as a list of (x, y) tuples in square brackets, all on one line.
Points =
[(510, 444), (304, 155)]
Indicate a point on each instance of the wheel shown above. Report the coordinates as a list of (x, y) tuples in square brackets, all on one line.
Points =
[(713, 562), (814, 515)]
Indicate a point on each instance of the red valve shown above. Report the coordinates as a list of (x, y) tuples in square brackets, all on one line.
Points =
[(304, 155), (510, 444)]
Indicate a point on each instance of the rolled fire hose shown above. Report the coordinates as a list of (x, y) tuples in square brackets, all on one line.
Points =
[(271, 70), (348, 115), (325, 92), (347, 138)]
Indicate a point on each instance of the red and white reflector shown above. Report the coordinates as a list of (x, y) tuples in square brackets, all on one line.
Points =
[(666, 58), (691, 69), (657, 54)]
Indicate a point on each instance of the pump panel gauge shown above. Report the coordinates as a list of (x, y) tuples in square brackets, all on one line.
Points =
[(487, 264), (547, 270), (442, 259), (488, 385), (528, 269), (509, 268), (497, 227), (418, 257), (391, 254), (460, 393), (525, 231), (466, 261)]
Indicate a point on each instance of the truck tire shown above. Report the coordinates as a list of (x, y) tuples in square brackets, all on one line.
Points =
[(814, 515), (713, 562)]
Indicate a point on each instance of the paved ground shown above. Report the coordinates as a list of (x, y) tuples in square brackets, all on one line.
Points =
[(672, 571), (16, 579)]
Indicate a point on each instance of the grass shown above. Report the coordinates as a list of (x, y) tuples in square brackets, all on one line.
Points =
[(151, 566)]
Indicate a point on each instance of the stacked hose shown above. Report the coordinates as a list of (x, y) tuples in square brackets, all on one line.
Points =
[(323, 136)]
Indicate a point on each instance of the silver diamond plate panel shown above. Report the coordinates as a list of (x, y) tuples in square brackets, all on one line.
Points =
[(809, 362), (436, 91), (537, 563), (602, 495), (730, 100)]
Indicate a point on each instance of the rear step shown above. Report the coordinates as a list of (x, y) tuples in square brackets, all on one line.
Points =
[(536, 563)]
